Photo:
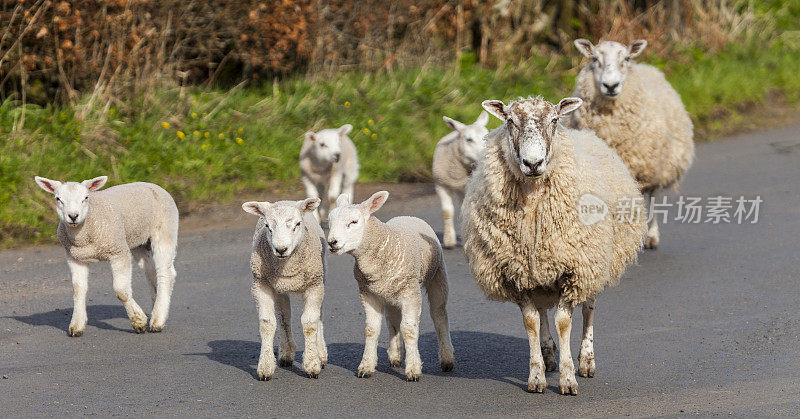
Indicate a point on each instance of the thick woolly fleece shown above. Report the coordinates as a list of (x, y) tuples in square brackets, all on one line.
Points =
[(120, 218), (450, 168), (647, 125), (523, 236)]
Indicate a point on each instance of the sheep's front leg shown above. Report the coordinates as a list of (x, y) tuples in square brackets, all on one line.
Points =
[(410, 307), (530, 318), (334, 188), (395, 351), (586, 366), (312, 192), (653, 236), (121, 271), (448, 212), (311, 318), (265, 300), (287, 345), (373, 308), (566, 383), (547, 342), (80, 283)]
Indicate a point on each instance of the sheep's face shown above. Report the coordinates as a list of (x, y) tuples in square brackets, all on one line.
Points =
[(471, 141), (348, 221), (610, 63), (326, 145), (72, 198), (530, 126), (284, 222)]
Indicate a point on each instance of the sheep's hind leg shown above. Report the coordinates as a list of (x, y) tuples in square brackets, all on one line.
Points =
[(312, 307), (312, 191), (80, 283), (563, 318), (586, 366), (144, 258), (530, 318), (547, 342), (437, 298), (653, 235), (373, 308), (121, 271), (287, 346), (163, 256), (448, 211), (395, 351)]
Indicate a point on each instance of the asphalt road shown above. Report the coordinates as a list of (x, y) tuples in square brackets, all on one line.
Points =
[(706, 324)]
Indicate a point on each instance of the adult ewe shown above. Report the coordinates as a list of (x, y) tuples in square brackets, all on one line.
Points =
[(527, 236), (633, 108), (328, 164), (134, 219)]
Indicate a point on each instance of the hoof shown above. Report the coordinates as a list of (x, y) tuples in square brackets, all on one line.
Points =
[(447, 366), (569, 390), (263, 377), (364, 374), (651, 243), (139, 329), (285, 362), (74, 333), (413, 378), (586, 372), (536, 387), (156, 329), (312, 375), (395, 363)]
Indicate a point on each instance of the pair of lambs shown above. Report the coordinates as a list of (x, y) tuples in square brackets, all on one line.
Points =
[(393, 261)]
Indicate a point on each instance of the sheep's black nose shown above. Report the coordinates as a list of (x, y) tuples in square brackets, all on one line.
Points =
[(533, 167), (73, 217), (336, 157), (611, 87), (280, 250)]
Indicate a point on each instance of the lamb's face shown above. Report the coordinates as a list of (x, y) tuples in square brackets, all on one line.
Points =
[(326, 145), (610, 63), (348, 222), (471, 139), (72, 198), (284, 223), (531, 125)]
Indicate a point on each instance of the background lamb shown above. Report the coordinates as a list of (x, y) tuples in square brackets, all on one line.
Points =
[(635, 110), (524, 237), (134, 219), (288, 257), (329, 164), (453, 160), (393, 260)]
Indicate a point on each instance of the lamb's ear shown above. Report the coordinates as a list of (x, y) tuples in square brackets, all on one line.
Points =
[(483, 119), (310, 136), (256, 208), (496, 108), (308, 204), (47, 184), (96, 183), (343, 199), (376, 201), (637, 47), (585, 47), (568, 104), (452, 123), (345, 129)]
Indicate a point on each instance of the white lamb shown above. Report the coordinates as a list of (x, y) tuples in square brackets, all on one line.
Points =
[(393, 260), (328, 162), (633, 108), (454, 159), (134, 219), (528, 236), (288, 257)]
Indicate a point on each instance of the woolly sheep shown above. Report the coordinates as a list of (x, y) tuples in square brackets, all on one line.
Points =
[(635, 110), (288, 257), (527, 242), (134, 219), (328, 157), (393, 260), (453, 160)]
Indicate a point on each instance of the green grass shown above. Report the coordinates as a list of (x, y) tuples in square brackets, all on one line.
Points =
[(247, 140)]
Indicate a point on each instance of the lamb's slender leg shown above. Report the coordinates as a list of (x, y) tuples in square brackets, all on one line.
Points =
[(586, 355), (373, 309), (311, 192), (80, 283), (395, 351), (335, 188), (566, 383), (322, 348), (547, 342), (410, 307), (448, 211), (312, 311), (144, 259), (530, 318), (347, 186), (653, 236), (163, 257), (287, 346), (121, 271), (437, 298), (265, 300)]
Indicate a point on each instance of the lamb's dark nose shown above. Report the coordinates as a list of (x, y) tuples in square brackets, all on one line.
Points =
[(280, 250), (336, 157), (533, 168), (73, 217), (611, 87)]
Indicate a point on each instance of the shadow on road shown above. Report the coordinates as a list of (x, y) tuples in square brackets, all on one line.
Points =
[(60, 318)]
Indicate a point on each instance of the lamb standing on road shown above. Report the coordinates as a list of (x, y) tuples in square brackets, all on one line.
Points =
[(454, 159), (525, 239), (134, 219), (635, 110), (328, 164), (393, 260), (288, 257)]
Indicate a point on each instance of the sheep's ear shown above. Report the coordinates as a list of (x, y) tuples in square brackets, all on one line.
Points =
[(343, 199), (452, 123), (585, 47), (376, 201), (496, 108), (308, 204), (637, 47), (568, 104), (310, 136), (96, 183), (47, 184), (345, 129), (256, 208), (483, 119)]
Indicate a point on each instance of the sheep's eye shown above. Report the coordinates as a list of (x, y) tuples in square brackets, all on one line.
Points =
[(86, 198), (469, 140), (297, 225), (352, 222), (322, 146)]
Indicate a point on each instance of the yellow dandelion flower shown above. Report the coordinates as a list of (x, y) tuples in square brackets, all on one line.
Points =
[(207, 134), (374, 136), (165, 125), (240, 130), (204, 147), (196, 133), (221, 135), (194, 115), (180, 134), (205, 114), (239, 140), (370, 122), (346, 104), (365, 131)]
